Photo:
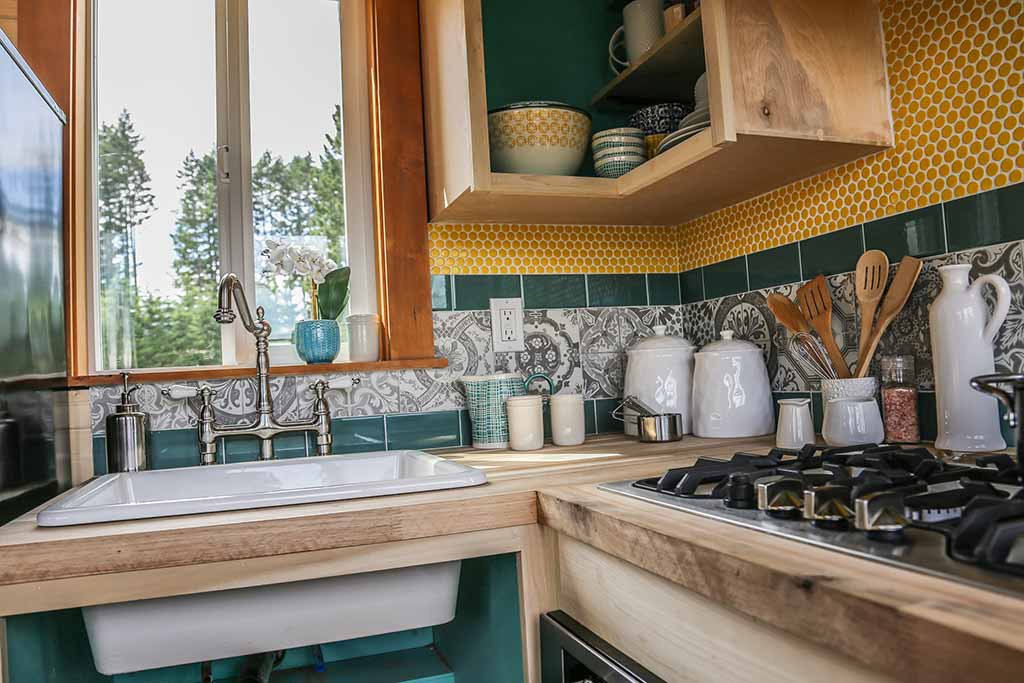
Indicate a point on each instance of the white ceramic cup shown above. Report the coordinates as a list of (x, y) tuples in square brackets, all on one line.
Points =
[(363, 337), (643, 24), (796, 429), (851, 421), (525, 422), (567, 424)]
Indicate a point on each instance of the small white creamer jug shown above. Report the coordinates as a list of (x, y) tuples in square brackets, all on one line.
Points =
[(962, 337)]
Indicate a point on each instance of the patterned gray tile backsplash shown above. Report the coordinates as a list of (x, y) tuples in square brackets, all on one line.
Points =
[(583, 349)]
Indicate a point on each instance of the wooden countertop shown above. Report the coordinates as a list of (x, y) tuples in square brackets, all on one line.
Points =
[(33, 554), (910, 625)]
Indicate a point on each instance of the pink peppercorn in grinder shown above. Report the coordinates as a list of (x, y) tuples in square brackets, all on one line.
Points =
[(899, 400)]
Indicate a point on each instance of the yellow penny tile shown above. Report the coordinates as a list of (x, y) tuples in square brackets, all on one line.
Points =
[(485, 249), (955, 73), (957, 99)]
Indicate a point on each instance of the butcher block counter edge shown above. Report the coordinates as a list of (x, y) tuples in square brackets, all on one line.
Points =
[(909, 625)]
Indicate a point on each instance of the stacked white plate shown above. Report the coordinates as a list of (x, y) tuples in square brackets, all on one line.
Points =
[(693, 123)]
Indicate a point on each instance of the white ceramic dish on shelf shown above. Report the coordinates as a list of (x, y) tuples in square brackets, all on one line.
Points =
[(538, 137), (680, 136)]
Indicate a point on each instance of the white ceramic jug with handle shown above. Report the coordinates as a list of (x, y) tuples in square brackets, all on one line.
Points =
[(962, 336)]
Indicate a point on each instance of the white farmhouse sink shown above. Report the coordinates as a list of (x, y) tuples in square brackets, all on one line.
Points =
[(217, 488), (146, 634)]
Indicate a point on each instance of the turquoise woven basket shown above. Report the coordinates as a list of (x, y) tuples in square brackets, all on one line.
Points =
[(485, 398)]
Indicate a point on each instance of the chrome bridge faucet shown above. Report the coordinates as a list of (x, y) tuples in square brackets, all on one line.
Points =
[(265, 426)]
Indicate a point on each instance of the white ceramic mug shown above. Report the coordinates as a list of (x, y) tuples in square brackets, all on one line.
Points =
[(643, 24), (567, 424), (796, 429), (363, 337), (851, 421)]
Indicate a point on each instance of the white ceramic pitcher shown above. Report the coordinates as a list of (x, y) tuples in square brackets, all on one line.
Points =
[(962, 348)]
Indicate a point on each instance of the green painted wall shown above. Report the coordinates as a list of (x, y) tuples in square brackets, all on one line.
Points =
[(543, 50), (484, 642)]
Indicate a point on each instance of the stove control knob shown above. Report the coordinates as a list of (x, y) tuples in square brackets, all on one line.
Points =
[(780, 495), (828, 505), (740, 492), (881, 512)]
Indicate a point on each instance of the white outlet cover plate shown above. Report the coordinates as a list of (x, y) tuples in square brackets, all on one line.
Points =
[(507, 325)]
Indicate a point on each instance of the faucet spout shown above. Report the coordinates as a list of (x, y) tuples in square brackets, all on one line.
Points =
[(231, 287)]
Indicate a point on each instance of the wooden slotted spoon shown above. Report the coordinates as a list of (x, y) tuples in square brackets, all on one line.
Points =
[(872, 277), (816, 304), (788, 314), (894, 301)]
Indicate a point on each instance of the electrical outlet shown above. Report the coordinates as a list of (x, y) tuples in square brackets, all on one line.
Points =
[(507, 324)]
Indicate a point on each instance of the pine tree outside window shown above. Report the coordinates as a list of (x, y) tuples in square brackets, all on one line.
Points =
[(222, 125)]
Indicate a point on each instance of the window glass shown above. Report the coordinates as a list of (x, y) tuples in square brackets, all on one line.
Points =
[(157, 239), (295, 127)]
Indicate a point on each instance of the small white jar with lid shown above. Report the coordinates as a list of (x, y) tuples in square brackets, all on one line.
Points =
[(525, 422), (567, 423), (363, 337)]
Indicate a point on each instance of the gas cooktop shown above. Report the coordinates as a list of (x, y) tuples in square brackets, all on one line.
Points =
[(903, 506)]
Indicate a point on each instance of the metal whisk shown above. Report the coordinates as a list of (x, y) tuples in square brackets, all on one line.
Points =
[(811, 351)]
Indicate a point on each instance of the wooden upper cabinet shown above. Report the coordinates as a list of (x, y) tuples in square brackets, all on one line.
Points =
[(796, 87)]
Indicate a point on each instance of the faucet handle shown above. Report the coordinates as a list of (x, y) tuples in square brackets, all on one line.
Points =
[(322, 386), (180, 391)]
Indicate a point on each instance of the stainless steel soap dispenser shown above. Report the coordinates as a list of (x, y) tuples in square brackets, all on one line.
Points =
[(127, 433)]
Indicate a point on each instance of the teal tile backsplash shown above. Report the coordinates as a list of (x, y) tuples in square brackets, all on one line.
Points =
[(725, 278), (441, 429), (773, 267), (988, 218), (474, 292), (554, 291), (836, 252), (915, 233), (663, 289), (617, 290)]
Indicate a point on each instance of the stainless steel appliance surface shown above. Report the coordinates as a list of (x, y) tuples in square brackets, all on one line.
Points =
[(33, 453), (572, 653), (899, 505)]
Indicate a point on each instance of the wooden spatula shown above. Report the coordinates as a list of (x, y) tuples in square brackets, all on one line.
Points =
[(871, 278), (788, 314), (816, 304), (894, 301)]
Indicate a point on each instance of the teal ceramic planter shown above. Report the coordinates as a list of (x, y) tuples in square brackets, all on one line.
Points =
[(317, 341)]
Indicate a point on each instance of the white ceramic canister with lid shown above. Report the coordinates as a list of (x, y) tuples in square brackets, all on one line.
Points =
[(732, 396), (659, 372)]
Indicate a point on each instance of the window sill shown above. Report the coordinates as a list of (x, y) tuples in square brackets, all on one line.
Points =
[(222, 372)]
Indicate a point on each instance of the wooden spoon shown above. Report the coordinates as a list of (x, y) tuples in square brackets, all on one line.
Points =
[(872, 277), (816, 304), (894, 301), (788, 314)]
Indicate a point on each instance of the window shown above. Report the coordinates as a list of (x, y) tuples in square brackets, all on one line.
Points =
[(219, 124)]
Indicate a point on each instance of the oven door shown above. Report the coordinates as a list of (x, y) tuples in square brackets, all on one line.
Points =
[(572, 653)]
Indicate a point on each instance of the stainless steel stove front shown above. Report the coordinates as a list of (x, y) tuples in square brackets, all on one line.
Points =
[(924, 551)]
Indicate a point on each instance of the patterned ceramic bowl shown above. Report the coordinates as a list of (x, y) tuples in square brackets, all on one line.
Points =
[(659, 118), (639, 152), (619, 132), (623, 142), (617, 165), (544, 138)]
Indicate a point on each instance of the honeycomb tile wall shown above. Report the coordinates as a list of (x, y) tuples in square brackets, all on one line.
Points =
[(489, 249), (955, 73)]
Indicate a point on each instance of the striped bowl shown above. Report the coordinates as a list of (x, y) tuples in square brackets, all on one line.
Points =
[(617, 165)]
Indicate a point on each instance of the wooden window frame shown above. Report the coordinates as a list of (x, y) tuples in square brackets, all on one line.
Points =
[(398, 170)]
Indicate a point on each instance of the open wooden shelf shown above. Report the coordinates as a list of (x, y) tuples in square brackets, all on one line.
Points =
[(778, 113), (665, 73)]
